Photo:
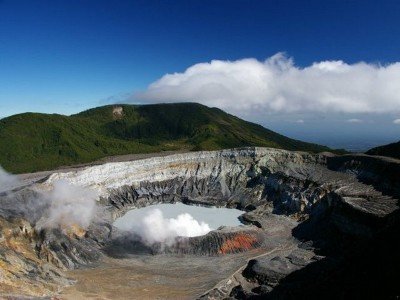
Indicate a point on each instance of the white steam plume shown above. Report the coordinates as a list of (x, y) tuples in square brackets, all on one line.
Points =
[(154, 227), (7, 181), (64, 206), (69, 205), (248, 86)]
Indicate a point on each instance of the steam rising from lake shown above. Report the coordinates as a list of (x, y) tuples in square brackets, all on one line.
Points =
[(165, 222), (154, 227)]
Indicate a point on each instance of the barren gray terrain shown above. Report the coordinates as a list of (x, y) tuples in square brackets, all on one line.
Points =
[(312, 221)]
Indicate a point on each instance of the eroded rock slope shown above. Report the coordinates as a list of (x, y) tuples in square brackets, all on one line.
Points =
[(322, 207)]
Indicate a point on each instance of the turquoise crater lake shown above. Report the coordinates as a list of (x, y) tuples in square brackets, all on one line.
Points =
[(177, 219)]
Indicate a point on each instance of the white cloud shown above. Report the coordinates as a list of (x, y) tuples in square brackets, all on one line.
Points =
[(249, 86), (397, 121), (300, 121), (354, 121)]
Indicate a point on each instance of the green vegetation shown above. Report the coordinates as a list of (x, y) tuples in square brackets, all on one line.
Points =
[(32, 142), (391, 150)]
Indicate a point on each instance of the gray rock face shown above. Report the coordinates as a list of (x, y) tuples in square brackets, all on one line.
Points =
[(220, 242), (226, 240), (356, 195), (293, 184)]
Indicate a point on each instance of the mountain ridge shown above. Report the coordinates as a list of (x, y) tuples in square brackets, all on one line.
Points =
[(35, 142), (390, 150)]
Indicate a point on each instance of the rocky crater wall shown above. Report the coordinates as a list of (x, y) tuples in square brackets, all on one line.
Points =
[(357, 195), (359, 189)]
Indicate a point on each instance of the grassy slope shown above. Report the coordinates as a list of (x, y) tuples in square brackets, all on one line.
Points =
[(32, 142), (391, 150)]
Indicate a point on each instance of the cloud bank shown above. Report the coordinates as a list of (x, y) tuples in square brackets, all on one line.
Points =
[(249, 86)]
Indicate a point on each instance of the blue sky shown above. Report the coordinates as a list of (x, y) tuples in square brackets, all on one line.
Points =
[(66, 56)]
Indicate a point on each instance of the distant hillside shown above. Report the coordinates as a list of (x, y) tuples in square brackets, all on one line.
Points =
[(32, 141), (392, 150)]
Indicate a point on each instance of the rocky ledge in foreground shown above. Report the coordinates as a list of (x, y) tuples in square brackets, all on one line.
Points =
[(313, 214)]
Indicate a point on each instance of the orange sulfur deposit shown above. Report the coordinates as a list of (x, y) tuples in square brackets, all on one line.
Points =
[(75, 230), (240, 242)]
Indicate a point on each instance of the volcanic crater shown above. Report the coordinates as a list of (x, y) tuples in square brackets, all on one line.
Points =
[(309, 220)]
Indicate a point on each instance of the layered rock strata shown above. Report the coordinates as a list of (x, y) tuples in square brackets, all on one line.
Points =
[(280, 191)]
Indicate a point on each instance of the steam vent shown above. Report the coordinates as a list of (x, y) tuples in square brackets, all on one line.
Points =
[(313, 225)]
